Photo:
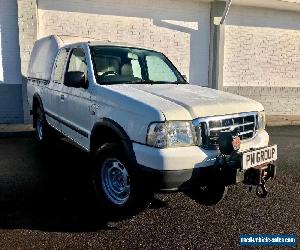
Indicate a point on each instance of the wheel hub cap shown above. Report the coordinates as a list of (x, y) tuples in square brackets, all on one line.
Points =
[(39, 128), (115, 181)]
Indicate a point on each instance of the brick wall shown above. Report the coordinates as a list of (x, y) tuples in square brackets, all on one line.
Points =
[(262, 57), (27, 19), (255, 56), (28, 28), (180, 29), (276, 100)]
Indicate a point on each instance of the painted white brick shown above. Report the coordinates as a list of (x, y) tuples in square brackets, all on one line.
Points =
[(262, 58), (27, 19), (262, 48), (276, 100)]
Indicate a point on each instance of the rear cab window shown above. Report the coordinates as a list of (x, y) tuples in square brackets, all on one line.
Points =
[(59, 66)]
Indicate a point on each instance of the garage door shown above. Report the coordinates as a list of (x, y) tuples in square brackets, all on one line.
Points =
[(178, 28)]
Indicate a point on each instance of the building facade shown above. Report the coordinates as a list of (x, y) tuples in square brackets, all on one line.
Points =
[(255, 53)]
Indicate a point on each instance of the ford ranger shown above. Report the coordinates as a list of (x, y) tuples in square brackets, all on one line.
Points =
[(145, 127)]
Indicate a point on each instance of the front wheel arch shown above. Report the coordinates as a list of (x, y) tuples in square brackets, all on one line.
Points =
[(109, 131)]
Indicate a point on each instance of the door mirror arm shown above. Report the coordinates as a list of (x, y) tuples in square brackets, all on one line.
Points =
[(76, 79)]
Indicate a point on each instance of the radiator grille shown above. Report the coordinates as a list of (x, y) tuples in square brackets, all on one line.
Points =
[(208, 129)]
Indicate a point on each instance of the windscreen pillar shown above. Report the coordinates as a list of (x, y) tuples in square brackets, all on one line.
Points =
[(28, 27), (216, 48)]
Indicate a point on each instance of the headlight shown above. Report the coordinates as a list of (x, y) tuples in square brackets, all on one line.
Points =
[(261, 120), (171, 134)]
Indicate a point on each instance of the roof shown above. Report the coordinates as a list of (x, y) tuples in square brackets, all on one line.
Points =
[(48, 47), (68, 40), (289, 5)]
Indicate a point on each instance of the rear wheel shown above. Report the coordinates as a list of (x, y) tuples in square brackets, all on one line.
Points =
[(42, 129), (116, 184)]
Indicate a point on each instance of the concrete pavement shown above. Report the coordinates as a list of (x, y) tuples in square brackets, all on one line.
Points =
[(46, 203)]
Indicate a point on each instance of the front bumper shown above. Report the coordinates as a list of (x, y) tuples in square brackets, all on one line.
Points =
[(168, 181), (179, 180), (178, 168), (187, 158)]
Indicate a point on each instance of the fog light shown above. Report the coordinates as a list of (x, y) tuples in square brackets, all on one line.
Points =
[(229, 142)]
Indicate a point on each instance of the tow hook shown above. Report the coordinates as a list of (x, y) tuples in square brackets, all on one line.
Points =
[(261, 190), (230, 164), (259, 176)]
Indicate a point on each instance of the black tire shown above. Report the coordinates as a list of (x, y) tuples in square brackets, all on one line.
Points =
[(42, 129), (109, 158), (210, 194)]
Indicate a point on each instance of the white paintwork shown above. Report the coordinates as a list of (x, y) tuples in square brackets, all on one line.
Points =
[(188, 102), (187, 157), (134, 107)]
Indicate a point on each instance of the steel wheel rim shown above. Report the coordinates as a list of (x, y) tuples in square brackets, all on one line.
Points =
[(39, 128), (115, 181)]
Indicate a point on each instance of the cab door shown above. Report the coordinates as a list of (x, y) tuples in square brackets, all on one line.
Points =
[(53, 90), (76, 101)]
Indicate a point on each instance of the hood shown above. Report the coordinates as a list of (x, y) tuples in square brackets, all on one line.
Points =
[(176, 101)]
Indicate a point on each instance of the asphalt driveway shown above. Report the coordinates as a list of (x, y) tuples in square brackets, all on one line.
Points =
[(46, 203)]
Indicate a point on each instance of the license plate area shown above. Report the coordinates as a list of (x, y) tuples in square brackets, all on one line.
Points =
[(257, 157)]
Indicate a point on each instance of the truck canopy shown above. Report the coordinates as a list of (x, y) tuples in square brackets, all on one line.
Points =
[(44, 53), (42, 57)]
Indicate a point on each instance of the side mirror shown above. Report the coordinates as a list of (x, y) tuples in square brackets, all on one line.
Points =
[(75, 79)]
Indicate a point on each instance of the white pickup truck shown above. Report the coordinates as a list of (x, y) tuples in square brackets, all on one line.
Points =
[(146, 128)]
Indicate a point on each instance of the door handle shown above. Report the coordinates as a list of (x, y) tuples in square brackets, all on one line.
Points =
[(62, 97), (93, 108)]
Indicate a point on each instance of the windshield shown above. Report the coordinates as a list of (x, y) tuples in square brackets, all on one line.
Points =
[(115, 65)]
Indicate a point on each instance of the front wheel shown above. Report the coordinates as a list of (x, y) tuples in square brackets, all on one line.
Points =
[(210, 194), (116, 184)]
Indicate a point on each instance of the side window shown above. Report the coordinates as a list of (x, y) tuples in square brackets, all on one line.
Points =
[(77, 61), (136, 68), (158, 70), (59, 65)]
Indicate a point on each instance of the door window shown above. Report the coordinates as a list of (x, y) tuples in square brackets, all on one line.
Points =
[(77, 61)]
